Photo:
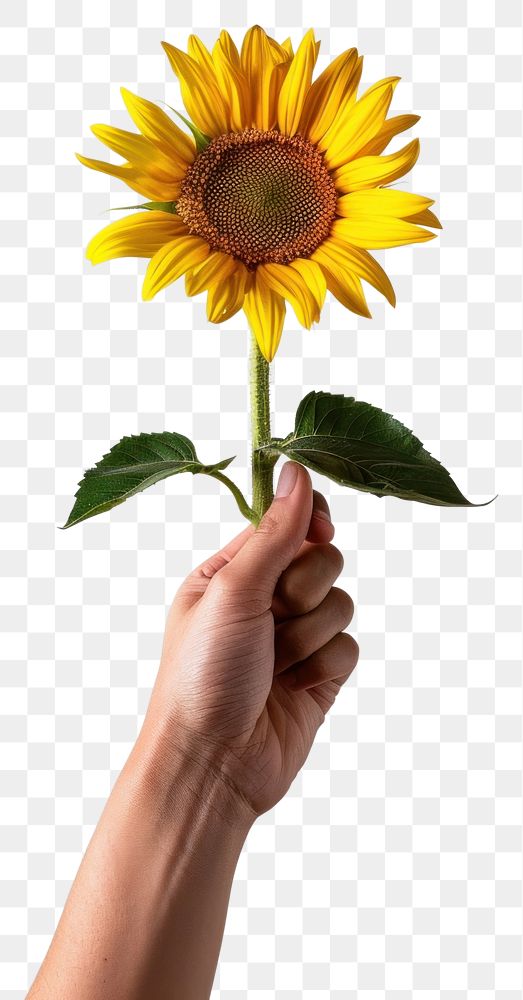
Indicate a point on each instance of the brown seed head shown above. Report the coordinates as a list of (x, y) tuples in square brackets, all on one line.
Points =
[(260, 196)]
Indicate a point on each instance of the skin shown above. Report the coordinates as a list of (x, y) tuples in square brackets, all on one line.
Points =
[(254, 655)]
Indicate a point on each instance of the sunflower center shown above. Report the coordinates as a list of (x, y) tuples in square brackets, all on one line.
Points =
[(262, 197)]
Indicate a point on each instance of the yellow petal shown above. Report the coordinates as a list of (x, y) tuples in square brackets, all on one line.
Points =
[(342, 283), (257, 63), (156, 126), (226, 297), (228, 45), (382, 202), (265, 312), (200, 92), (283, 52), (357, 124), (390, 128), (232, 82), (377, 87), (354, 81), (314, 279), (426, 218), (260, 57), (171, 261), (357, 262), (285, 47), (150, 187), (140, 235), (255, 48), (139, 151), (299, 285), (216, 267), (201, 55), (373, 171), (251, 45), (223, 70), (326, 95), (296, 85), (379, 232)]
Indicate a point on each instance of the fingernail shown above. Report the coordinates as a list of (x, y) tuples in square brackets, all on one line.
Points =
[(287, 480)]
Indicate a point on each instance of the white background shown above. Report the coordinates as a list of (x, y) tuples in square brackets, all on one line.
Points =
[(393, 866)]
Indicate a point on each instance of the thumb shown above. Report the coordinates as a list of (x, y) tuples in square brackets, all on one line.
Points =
[(282, 530)]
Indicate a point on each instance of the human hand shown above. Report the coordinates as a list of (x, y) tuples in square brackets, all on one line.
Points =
[(254, 653)]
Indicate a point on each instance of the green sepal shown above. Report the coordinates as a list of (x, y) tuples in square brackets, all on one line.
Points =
[(201, 140), (150, 206)]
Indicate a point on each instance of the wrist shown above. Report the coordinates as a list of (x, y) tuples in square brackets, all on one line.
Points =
[(179, 769)]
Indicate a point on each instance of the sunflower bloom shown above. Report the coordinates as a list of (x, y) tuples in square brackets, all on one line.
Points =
[(277, 195)]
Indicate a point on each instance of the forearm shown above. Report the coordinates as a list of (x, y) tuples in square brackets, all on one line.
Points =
[(146, 913)]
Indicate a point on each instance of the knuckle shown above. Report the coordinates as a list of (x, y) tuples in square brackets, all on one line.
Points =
[(343, 657), (222, 584), (294, 595), (343, 603), (350, 650), (269, 524), (325, 557), (336, 558), (210, 567), (325, 562)]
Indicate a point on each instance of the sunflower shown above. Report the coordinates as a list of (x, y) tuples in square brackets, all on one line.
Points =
[(277, 192)]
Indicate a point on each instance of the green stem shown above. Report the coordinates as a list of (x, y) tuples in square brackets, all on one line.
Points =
[(262, 464), (237, 494)]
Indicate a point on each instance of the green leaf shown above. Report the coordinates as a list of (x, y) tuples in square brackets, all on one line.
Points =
[(150, 206), (359, 445), (201, 140), (131, 466)]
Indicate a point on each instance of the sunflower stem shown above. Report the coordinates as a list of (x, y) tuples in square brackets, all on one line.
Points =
[(262, 463)]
